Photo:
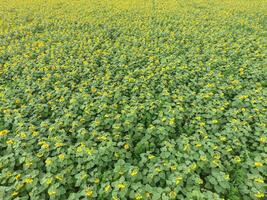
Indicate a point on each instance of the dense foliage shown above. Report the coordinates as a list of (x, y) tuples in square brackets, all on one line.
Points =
[(133, 99)]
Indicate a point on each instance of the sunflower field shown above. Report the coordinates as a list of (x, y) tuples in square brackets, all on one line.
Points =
[(133, 99)]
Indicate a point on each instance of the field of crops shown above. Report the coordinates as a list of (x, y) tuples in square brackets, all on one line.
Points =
[(133, 99)]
